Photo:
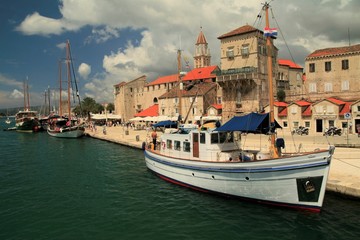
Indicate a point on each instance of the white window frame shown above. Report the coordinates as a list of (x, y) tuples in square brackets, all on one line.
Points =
[(328, 87), (345, 85), (312, 87)]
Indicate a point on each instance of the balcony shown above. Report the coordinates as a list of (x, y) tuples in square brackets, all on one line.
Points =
[(244, 73)]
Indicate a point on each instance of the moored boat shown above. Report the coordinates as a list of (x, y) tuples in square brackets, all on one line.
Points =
[(27, 121), (214, 160), (65, 127)]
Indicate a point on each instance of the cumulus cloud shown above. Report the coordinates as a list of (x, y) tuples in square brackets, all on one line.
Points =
[(84, 70), (16, 94), (9, 81), (166, 26)]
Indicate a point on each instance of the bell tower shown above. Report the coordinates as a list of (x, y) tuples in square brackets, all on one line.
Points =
[(202, 55)]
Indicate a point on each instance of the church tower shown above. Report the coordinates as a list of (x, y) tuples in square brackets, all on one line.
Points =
[(202, 53)]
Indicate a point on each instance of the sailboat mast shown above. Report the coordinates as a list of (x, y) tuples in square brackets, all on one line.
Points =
[(60, 90), (68, 76), (180, 83), (24, 95), (270, 81)]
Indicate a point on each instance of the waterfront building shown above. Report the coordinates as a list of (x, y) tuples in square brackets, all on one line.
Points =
[(128, 97), (333, 72), (290, 79), (243, 74)]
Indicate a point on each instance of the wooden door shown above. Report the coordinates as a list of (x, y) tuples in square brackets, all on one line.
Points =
[(195, 145)]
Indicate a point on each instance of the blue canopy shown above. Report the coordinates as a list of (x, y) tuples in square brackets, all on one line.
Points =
[(166, 124), (251, 123)]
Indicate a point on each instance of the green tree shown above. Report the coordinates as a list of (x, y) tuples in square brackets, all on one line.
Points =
[(281, 95), (110, 107), (88, 104)]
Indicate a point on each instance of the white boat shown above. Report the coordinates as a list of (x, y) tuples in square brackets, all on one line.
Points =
[(26, 120), (210, 160), (65, 127), (8, 121)]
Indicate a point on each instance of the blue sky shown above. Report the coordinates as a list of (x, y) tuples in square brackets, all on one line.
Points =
[(114, 41)]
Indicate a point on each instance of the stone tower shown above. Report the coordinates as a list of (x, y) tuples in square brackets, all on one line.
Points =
[(202, 55)]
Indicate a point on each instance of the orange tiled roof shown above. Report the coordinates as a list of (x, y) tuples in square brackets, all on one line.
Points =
[(200, 73), (336, 101), (152, 111), (239, 31), (217, 106), (280, 104), (346, 108), (307, 111), (165, 79), (289, 63), (283, 113), (302, 103), (334, 51)]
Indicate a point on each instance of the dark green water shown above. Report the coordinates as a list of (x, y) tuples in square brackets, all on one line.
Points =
[(85, 188)]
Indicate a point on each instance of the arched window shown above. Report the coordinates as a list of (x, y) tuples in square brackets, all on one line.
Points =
[(155, 100)]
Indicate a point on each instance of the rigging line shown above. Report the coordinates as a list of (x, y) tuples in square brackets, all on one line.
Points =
[(282, 35), (347, 162), (76, 86)]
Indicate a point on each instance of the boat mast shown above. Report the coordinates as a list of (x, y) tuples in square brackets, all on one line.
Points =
[(60, 90), (68, 76), (269, 48), (24, 95), (180, 84)]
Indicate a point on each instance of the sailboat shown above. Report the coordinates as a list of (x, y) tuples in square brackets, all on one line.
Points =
[(7, 121), (210, 160), (26, 120), (65, 126)]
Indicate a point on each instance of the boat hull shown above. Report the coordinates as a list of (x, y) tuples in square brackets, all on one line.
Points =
[(297, 182), (31, 125), (73, 132)]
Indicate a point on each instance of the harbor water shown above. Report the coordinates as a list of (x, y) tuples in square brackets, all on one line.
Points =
[(52, 188)]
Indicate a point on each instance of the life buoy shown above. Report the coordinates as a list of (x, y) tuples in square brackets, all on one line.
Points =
[(163, 145)]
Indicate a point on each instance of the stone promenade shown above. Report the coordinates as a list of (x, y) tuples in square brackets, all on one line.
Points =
[(344, 175)]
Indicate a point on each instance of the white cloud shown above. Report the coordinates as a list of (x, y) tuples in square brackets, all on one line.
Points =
[(9, 82), (84, 70), (169, 25), (16, 94)]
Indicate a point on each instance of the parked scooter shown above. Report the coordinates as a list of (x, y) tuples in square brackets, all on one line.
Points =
[(300, 131), (332, 131)]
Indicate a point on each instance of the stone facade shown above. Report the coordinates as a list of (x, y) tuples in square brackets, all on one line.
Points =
[(290, 80), (195, 101), (129, 98), (333, 72), (243, 75)]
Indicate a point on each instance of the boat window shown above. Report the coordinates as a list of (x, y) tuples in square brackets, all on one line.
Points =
[(214, 138), (186, 146), (177, 145), (202, 137), (168, 144), (222, 137)]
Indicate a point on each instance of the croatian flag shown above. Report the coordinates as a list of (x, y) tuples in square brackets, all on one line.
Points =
[(270, 32)]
